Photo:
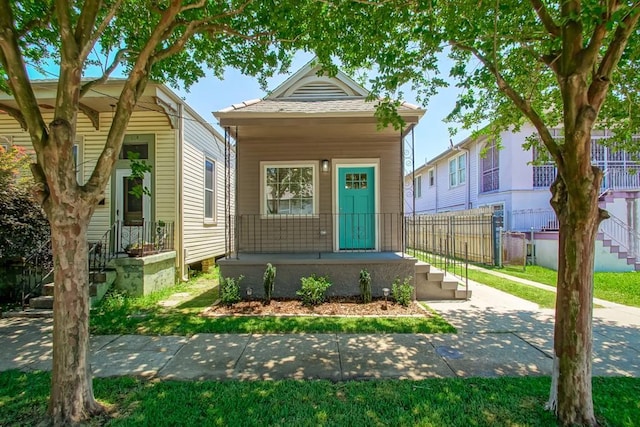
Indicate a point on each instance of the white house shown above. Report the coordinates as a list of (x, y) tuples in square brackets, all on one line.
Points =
[(475, 173)]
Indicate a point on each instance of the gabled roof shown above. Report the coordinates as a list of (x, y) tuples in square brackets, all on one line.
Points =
[(307, 93), (306, 83)]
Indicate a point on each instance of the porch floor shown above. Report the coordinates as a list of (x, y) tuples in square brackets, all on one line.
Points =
[(329, 257)]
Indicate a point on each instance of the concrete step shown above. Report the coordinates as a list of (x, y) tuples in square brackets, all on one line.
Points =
[(449, 284), (435, 276), (47, 290), (45, 302), (462, 294), (97, 277), (28, 313), (422, 267)]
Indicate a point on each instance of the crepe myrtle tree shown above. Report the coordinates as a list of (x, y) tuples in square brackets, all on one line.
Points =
[(566, 64), (169, 41)]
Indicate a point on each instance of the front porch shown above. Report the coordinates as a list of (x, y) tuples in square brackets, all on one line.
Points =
[(342, 269)]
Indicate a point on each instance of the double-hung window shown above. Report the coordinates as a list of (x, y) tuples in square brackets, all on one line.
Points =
[(209, 189), (289, 188), (458, 170), (491, 168)]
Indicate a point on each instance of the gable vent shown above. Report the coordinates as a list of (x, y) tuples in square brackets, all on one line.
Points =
[(319, 90)]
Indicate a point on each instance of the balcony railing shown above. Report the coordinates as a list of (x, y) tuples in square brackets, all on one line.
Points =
[(536, 219), (618, 175), (256, 233)]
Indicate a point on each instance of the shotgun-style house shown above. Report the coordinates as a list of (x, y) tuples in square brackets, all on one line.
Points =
[(180, 222), (476, 173), (319, 186)]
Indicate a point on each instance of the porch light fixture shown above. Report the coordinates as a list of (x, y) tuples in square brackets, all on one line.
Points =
[(325, 165), (385, 292)]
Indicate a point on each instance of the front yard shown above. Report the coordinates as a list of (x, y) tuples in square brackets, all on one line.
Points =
[(178, 311)]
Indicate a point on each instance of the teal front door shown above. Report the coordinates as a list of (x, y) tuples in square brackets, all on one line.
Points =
[(356, 203)]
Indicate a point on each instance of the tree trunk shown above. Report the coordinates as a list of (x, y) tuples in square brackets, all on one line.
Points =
[(71, 398), (575, 200)]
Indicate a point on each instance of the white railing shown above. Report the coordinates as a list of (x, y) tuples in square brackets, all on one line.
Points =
[(536, 219), (618, 175), (622, 235)]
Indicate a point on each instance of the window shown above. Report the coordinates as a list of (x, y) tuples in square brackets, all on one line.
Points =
[(458, 170), (140, 151), (209, 189), (417, 186), (491, 168), (5, 142), (289, 189), (432, 178)]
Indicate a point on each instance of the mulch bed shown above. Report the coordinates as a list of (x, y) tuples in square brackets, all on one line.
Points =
[(334, 306)]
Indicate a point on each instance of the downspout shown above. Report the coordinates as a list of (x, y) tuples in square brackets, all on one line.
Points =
[(468, 177), (181, 254), (435, 179)]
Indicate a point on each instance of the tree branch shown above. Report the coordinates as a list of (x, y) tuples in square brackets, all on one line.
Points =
[(602, 77), (105, 75), (546, 18), (522, 104), (91, 42), (14, 66), (84, 27), (66, 33)]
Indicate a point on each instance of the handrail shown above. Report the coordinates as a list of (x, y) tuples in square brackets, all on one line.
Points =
[(627, 238), (36, 269)]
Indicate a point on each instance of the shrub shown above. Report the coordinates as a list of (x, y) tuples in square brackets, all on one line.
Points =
[(402, 292), (365, 285), (269, 280), (313, 289), (230, 290)]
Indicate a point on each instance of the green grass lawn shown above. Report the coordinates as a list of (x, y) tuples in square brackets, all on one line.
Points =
[(118, 314), (434, 402), (623, 288), (544, 298)]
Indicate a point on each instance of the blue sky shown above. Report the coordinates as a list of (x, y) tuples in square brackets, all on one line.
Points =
[(212, 94)]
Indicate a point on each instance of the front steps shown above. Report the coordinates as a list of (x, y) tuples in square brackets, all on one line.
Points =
[(434, 284), (622, 255), (101, 282)]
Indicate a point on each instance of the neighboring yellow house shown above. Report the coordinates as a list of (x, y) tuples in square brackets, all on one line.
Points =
[(186, 179)]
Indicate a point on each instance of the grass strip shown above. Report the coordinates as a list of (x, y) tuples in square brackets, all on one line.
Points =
[(621, 288), (434, 402), (544, 298)]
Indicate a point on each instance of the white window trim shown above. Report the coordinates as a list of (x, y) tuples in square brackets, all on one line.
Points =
[(458, 181), (264, 165), (214, 210)]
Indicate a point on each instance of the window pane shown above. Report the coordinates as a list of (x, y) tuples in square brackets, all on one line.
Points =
[(142, 150), (289, 190), (208, 204), (208, 175)]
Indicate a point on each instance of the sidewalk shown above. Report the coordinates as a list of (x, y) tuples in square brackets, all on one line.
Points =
[(498, 335)]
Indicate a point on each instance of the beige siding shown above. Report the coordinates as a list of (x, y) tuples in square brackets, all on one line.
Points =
[(312, 142), (144, 122), (202, 239)]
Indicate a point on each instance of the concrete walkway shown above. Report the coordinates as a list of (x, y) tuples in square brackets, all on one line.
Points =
[(498, 334)]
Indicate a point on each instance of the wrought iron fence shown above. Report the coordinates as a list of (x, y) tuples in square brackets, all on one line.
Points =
[(256, 233), (140, 240)]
